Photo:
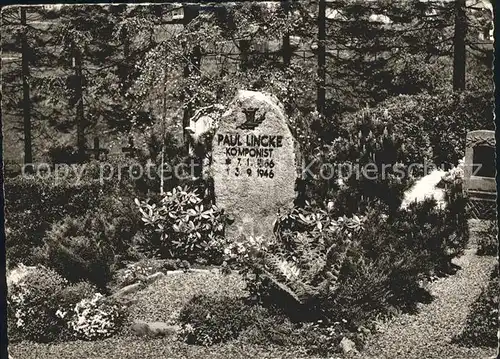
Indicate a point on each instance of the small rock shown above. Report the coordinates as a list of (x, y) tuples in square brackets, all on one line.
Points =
[(132, 288), (364, 330), (154, 329), (154, 277), (347, 345)]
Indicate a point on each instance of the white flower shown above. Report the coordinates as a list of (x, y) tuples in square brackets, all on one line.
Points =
[(61, 314), (289, 270)]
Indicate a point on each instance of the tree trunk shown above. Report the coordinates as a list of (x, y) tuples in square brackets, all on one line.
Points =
[(28, 154), (244, 50), (320, 104), (193, 65), (287, 51), (80, 121), (163, 135), (125, 66), (459, 51)]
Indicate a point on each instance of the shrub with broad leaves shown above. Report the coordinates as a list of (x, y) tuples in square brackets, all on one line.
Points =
[(181, 226)]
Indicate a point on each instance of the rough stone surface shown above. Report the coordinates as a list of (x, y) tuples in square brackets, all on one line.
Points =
[(479, 174), (129, 289), (154, 277), (474, 180), (347, 345), (154, 329), (254, 164)]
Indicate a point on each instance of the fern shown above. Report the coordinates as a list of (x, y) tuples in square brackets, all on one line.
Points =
[(305, 262)]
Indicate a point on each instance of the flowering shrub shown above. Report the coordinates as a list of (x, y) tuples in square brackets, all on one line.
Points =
[(93, 318), (43, 306), (244, 247), (182, 226), (32, 295)]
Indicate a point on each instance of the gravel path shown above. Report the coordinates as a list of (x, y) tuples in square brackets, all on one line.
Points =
[(428, 334)]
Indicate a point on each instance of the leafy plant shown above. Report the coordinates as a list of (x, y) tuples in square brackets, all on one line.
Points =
[(210, 321), (302, 264), (182, 226), (33, 205)]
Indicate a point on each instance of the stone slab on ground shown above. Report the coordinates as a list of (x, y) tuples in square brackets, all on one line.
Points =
[(154, 329)]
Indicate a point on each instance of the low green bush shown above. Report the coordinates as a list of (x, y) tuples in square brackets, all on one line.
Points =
[(372, 160), (442, 120), (437, 234), (481, 326), (210, 321), (93, 317), (81, 249), (75, 292), (32, 205), (488, 240), (35, 203), (322, 267), (32, 303)]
